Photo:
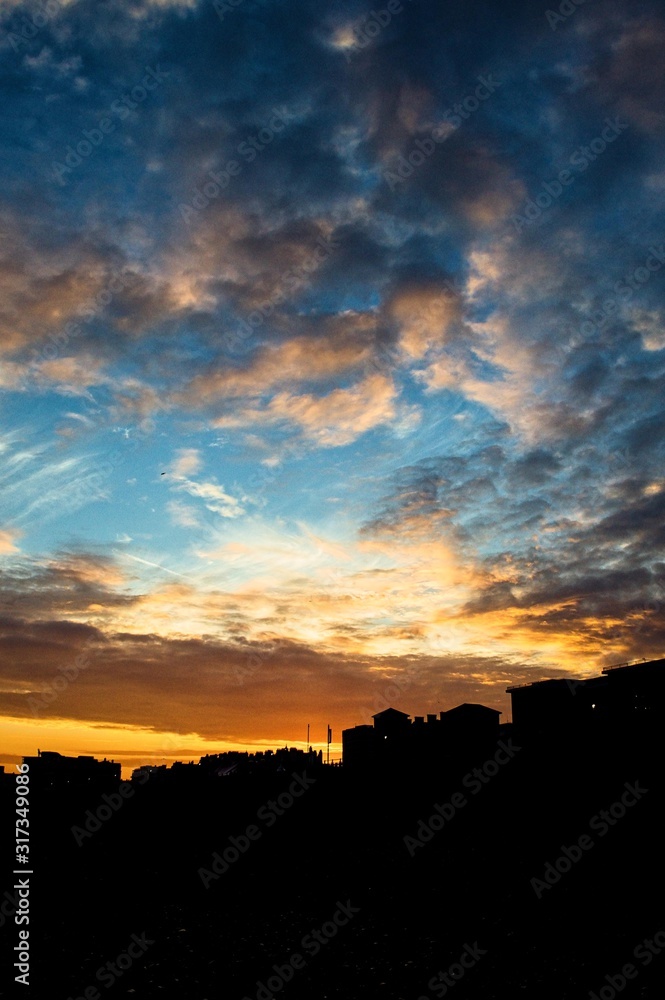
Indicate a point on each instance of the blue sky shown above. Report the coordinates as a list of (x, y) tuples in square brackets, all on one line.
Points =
[(331, 359)]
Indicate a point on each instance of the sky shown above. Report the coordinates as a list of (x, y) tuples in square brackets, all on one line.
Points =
[(331, 363)]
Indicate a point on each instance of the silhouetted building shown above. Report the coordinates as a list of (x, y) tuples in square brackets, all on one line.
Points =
[(53, 768), (546, 706), (239, 762), (636, 692), (358, 746), (629, 697), (152, 771), (469, 727), (395, 741), (391, 725)]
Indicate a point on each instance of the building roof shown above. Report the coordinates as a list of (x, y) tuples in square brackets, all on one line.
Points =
[(391, 713), (468, 708), (640, 665)]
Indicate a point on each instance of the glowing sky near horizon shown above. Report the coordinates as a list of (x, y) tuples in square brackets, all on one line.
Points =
[(369, 418)]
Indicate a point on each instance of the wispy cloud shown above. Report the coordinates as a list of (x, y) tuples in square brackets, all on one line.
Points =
[(373, 422), (188, 462)]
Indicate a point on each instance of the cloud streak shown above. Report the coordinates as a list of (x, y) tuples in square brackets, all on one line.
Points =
[(348, 427)]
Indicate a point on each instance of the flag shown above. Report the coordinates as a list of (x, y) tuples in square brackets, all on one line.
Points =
[(329, 735)]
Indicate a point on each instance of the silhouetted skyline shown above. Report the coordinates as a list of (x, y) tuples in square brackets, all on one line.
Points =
[(332, 498), (460, 851), (626, 701)]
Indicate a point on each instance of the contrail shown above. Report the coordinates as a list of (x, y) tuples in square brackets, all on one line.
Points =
[(146, 562)]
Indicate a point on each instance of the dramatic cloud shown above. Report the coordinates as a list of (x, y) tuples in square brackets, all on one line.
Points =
[(340, 350)]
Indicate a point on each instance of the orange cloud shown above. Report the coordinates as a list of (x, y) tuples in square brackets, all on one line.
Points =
[(426, 317), (302, 359), (8, 537), (90, 570), (330, 421)]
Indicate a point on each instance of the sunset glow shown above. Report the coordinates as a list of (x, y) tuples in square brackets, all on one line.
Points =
[(339, 426)]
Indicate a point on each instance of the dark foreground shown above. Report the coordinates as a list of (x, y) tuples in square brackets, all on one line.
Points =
[(328, 899)]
